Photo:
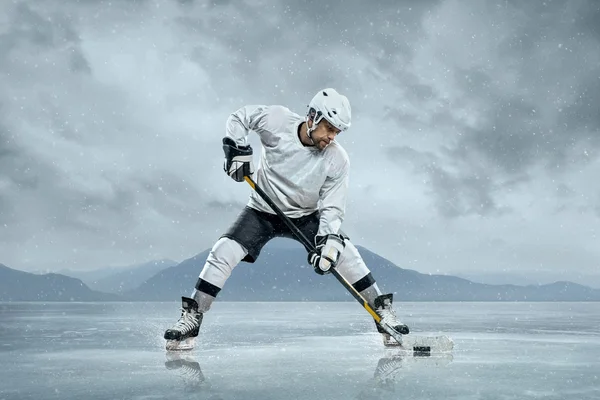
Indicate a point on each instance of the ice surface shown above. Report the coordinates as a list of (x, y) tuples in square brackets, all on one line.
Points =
[(298, 351)]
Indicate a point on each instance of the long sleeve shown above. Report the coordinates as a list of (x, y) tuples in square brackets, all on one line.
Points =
[(299, 179), (245, 119), (333, 201)]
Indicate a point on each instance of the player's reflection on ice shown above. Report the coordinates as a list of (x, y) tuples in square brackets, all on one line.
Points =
[(389, 369), (185, 366), (382, 382)]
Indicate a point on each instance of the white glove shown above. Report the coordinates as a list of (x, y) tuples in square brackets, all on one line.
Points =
[(329, 248)]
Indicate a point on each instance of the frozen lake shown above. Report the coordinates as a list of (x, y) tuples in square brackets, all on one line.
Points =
[(298, 351)]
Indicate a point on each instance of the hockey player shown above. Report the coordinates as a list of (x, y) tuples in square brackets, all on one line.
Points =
[(304, 170)]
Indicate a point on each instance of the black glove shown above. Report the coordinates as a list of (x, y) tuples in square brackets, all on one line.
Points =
[(238, 160), (328, 250)]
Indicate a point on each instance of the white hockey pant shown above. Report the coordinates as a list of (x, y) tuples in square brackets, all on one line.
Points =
[(226, 254)]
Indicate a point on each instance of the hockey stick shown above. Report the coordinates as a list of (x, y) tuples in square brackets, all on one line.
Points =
[(308, 244)]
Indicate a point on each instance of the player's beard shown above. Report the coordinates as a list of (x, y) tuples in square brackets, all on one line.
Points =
[(323, 144)]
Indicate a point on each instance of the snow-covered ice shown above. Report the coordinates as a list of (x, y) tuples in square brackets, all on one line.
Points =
[(298, 351)]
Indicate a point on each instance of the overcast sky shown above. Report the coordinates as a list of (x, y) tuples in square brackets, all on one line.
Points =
[(474, 146)]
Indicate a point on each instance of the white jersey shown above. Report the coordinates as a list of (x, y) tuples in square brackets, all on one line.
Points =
[(299, 179)]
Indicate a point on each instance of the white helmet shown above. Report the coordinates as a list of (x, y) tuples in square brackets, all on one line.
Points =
[(332, 106)]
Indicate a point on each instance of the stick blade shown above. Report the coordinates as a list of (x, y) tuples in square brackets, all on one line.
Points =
[(422, 345)]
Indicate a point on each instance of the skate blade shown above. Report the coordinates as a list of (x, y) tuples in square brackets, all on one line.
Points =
[(389, 341), (180, 345)]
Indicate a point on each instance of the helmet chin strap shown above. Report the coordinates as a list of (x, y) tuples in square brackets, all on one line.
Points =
[(309, 130)]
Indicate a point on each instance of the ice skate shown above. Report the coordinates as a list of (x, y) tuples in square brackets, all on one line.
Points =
[(182, 335), (383, 307)]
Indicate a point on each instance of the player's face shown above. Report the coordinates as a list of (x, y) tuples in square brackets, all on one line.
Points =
[(324, 134)]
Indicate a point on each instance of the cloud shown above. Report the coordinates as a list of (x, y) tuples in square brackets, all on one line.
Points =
[(489, 84), (82, 160), (473, 124), (454, 192)]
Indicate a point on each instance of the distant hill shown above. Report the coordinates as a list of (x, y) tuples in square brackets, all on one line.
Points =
[(531, 278), (23, 286), (86, 276), (282, 274), (116, 279), (413, 286), (127, 279)]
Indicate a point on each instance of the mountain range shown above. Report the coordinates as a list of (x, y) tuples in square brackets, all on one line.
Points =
[(127, 279), (117, 279), (24, 286), (280, 274)]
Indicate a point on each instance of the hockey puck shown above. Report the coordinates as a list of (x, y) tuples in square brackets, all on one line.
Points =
[(421, 351)]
